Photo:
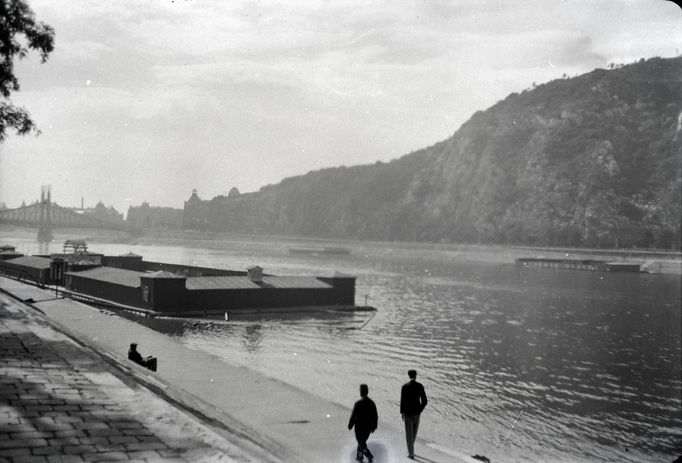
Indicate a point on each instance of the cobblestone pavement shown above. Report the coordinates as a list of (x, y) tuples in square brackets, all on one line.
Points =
[(61, 403)]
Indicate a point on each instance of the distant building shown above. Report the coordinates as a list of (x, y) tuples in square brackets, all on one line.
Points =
[(235, 212), (107, 214), (194, 214), (99, 212), (145, 217)]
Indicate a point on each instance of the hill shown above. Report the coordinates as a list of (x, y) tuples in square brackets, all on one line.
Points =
[(594, 160)]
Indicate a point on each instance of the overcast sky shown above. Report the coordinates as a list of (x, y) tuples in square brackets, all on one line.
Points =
[(146, 100)]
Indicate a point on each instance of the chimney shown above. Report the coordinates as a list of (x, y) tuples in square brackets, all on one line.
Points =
[(255, 273)]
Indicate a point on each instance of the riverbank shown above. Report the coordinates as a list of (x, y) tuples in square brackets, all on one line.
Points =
[(260, 418), (60, 402)]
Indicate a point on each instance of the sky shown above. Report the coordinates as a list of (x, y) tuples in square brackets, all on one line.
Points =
[(146, 100)]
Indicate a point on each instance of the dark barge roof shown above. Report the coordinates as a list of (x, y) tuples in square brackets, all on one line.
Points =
[(283, 282), (112, 275), (220, 283), (132, 278), (294, 282), (239, 282), (32, 261)]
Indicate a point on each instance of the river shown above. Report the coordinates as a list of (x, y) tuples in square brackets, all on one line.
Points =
[(520, 365)]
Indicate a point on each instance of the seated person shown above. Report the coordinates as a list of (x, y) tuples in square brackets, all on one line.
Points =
[(147, 362)]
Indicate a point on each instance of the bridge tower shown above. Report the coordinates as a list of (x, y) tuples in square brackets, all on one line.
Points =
[(45, 224)]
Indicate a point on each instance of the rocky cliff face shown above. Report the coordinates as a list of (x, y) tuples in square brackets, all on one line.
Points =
[(594, 160)]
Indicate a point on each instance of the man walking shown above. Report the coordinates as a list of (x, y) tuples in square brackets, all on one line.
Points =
[(365, 418), (412, 403)]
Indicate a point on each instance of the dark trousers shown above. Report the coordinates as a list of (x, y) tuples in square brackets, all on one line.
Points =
[(361, 435), (149, 362), (411, 428)]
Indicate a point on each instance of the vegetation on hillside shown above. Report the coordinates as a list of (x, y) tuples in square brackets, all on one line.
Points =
[(594, 160)]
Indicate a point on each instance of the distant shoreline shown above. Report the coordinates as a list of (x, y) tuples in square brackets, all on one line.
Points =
[(638, 253), (671, 260)]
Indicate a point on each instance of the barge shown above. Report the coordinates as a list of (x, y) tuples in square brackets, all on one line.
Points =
[(581, 264), (164, 289)]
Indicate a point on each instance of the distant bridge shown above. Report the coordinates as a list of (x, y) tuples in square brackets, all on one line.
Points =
[(45, 215)]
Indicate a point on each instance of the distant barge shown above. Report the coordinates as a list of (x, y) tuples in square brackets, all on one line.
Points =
[(581, 264), (180, 290), (320, 251)]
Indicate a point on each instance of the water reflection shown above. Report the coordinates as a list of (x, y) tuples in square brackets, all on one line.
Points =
[(251, 338)]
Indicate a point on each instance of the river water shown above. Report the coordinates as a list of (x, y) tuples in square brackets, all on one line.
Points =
[(520, 365)]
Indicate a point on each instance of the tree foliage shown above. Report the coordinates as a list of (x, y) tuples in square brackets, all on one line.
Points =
[(19, 33)]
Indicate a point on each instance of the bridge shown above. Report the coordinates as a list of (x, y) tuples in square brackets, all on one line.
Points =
[(46, 215)]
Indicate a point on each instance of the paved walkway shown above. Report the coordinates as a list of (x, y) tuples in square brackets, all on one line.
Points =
[(61, 403), (269, 418)]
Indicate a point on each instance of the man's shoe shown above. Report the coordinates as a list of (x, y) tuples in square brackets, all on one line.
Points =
[(411, 457)]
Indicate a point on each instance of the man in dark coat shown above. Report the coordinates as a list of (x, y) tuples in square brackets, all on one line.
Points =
[(412, 403), (365, 418), (147, 362)]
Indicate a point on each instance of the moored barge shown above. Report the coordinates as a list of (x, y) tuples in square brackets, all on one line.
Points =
[(181, 290)]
